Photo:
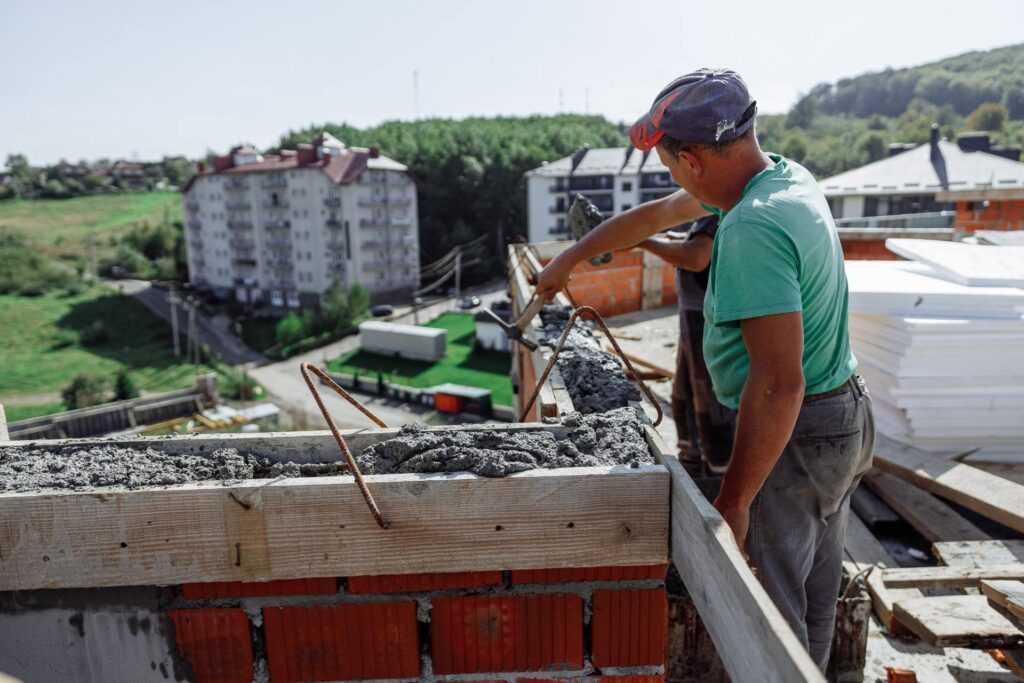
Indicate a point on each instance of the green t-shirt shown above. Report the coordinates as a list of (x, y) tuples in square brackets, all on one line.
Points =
[(777, 251)]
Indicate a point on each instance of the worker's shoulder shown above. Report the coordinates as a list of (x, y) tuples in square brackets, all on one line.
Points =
[(789, 201)]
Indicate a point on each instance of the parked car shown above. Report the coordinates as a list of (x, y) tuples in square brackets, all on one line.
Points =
[(468, 302), (381, 310)]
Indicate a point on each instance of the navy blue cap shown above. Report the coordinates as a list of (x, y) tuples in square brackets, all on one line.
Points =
[(706, 107)]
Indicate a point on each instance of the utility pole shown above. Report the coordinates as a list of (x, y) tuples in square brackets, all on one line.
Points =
[(458, 276), (172, 299)]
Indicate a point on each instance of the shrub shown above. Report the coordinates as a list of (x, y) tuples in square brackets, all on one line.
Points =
[(124, 387), (290, 329), (85, 390), (25, 271), (238, 385)]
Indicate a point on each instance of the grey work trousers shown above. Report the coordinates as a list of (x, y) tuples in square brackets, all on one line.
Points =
[(798, 519)]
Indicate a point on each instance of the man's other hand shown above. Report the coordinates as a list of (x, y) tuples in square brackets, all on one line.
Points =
[(738, 519)]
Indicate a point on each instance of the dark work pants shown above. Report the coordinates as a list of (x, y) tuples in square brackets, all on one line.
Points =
[(798, 520)]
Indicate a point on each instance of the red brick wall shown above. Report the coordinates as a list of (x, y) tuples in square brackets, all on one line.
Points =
[(873, 250), (998, 215), (564, 624), (613, 288)]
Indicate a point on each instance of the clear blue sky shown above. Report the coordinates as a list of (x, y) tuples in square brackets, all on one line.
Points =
[(126, 78)]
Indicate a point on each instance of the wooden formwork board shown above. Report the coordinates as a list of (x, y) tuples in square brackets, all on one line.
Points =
[(260, 530)]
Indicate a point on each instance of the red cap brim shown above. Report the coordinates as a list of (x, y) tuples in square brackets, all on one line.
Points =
[(644, 135)]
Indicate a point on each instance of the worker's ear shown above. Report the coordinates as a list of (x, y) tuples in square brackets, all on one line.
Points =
[(693, 162)]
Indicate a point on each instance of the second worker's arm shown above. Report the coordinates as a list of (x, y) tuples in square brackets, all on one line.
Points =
[(693, 253), (619, 232)]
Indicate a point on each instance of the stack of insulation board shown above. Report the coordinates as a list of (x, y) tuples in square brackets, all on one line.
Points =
[(940, 342)]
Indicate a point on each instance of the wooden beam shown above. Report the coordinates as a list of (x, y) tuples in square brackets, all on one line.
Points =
[(994, 497), (1008, 595), (260, 530), (958, 621), (756, 642), (979, 553), (950, 577), (872, 510), (866, 551), (932, 518)]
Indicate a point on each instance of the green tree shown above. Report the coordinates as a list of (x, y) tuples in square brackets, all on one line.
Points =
[(124, 386), (802, 114), (873, 146), (795, 147), (290, 329), (358, 301), (85, 390), (336, 312), (990, 116)]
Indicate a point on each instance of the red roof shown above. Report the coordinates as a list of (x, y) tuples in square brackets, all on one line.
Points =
[(342, 169)]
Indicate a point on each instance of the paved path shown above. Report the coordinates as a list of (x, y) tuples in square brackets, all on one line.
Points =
[(284, 381)]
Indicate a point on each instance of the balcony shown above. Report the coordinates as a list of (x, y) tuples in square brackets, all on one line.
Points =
[(337, 245), (281, 266), (273, 206), (274, 182), (244, 262), (278, 225), (239, 225), (557, 209), (238, 206), (195, 226), (333, 223), (933, 220), (241, 245), (236, 185), (400, 222), (199, 262), (192, 205), (195, 245), (372, 244), (373, 222), (560, 187), (332, 202)]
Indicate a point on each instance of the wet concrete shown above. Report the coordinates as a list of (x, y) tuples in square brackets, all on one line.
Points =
[(595, 379), (611, 438)]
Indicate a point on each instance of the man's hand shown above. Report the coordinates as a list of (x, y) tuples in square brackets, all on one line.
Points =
[(738, 519), (554, 277)]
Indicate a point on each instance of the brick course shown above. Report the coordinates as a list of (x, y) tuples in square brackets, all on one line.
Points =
[(216, 644), (629, 627)]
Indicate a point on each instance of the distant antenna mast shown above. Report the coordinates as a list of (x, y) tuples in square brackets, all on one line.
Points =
[(416, 93)]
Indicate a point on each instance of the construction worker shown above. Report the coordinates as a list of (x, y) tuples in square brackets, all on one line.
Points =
[(775, 341), (703, 425)]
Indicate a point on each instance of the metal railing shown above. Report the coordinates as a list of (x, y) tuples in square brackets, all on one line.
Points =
[(242, 245), (333, 222), (236, 184), (332, 202), (278, 225), (905, 221), (274, 182), (238, 206), (239, 225), (271, 206)]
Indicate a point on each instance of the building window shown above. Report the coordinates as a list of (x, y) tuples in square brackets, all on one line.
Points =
[(626, 207), (627, 187)]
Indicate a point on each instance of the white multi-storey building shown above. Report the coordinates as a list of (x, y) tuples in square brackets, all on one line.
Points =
[(614, 178), (280, 229)]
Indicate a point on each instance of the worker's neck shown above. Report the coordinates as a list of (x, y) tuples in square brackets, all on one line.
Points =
[(735, 172)]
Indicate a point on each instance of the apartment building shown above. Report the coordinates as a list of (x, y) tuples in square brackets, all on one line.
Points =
[(614, 178), (281, 229)]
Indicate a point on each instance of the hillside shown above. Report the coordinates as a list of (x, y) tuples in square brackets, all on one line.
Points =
[(962, 83)]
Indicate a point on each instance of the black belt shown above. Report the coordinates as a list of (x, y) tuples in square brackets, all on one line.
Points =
[(853, 384)]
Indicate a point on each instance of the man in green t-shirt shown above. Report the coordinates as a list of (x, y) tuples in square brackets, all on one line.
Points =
[(775, 340)]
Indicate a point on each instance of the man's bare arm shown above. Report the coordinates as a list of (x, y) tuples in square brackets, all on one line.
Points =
[(693, 254), (769, 407), (619, 232)]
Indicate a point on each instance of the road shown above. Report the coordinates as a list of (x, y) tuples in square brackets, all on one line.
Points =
[(214, 332)]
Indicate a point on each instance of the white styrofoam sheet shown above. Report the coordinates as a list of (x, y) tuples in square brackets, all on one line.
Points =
[(969, 264), (902, 288)]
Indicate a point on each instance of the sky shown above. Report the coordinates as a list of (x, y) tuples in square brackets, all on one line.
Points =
[(141, 79)]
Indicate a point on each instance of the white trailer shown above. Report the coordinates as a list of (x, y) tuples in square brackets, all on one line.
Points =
[(403, 341)]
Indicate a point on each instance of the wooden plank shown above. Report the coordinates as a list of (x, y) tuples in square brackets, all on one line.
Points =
[(865, 550), (296, 528), (1008, 595), (931, 517), (979, 553), (950, 577), (742, 620), (958, 621), (994, 497), (872, 510)]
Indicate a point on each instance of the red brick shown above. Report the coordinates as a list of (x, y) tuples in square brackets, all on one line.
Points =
[(239, 589), (216, 643), (629, 627), (415, 583), (476, 634), (342, 642), (576, 574)]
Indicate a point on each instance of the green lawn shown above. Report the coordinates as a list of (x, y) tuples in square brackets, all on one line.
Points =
[(40, 349), (15, 413), (463, 364), (61, 227)]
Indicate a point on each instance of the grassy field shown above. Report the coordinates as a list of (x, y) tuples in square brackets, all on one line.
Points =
[(62, 227), (40, 349), (463, 363)]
